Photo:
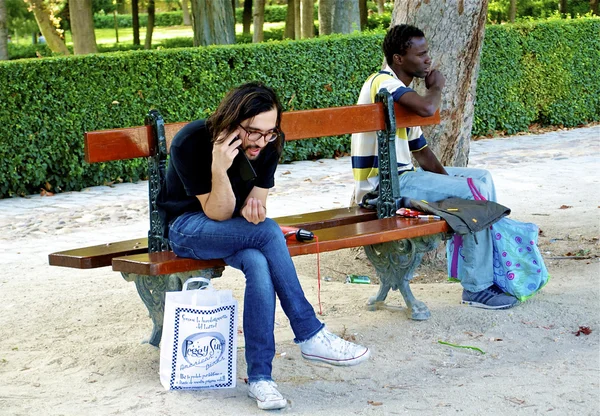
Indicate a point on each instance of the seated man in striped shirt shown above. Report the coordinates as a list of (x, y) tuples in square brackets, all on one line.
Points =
[(406, 53)]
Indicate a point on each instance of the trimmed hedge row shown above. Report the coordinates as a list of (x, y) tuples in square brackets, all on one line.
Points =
[(542, 72)]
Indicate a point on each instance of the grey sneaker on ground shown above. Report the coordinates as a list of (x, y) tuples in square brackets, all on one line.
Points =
[(491, 298), (330, 348), (266, 394)]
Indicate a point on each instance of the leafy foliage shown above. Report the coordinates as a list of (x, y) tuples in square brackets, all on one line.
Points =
[(544, 72)]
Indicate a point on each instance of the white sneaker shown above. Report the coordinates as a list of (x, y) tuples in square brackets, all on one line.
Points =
[(266, 395), (330, 348)]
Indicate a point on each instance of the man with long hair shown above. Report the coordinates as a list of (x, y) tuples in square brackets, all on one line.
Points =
[(216, 210)]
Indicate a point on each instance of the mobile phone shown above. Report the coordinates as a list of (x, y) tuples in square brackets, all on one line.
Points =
[(247, 172)]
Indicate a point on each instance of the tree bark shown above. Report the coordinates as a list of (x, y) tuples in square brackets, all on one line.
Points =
[(512, 11), (150, 24), (594, 7), (258, 20), (135, 21), (363, 13), (43, 19), (562, 6), (325, 17), (3, 31), (290, 20), (307, 21), (455, 36), (213, 23), (185, 10), (82, 27), (247, 17), (380, 6), (346, 16), (297, 20)]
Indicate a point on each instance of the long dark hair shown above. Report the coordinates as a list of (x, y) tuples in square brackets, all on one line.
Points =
[(244, 102)]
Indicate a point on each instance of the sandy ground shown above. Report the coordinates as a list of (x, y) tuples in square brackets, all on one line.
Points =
[(70, 340)]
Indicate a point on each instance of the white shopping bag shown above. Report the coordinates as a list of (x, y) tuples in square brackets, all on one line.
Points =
[(198, 348)]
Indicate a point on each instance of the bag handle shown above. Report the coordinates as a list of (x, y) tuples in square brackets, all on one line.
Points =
[(207, 286), (476, 194)]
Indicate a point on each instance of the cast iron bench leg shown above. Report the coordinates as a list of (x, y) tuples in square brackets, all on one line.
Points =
[(152, 291), (395, 263)]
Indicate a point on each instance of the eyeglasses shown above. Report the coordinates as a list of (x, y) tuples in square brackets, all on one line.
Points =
[(254, 136)]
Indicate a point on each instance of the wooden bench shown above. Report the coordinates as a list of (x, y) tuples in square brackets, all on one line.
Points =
[(393, 244)]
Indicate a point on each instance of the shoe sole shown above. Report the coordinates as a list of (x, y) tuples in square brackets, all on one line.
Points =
[(272, 405), (484, 306), (342, 363)]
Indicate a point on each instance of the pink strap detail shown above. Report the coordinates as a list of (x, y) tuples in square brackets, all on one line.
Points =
[(476, 194)]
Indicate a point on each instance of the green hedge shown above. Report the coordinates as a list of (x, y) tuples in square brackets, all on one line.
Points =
[(544, 72), (47, 104), (124, 20)]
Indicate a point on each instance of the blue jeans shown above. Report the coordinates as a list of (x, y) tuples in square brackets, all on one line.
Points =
[(478, 273), (260, 252)]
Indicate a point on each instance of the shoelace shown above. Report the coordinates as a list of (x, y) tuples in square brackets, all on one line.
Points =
[(268, 389), (337, 343)]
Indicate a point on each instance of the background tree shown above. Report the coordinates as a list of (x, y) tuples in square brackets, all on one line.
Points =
[(307, 23), (594, 7), (380, 6), (3, 31), (150, 25), (82, 27), (363, 13), (455, 36), (562, 6), (258, 20), (135, 21), (213, 23), (48, 24), (512, 11), (346, 16), (290, 20), (326, 8), (247, 17), (185, 10)]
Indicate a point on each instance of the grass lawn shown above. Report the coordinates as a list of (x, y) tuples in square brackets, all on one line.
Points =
[(108, 36)]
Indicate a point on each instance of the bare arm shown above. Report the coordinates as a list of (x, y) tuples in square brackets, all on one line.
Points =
[(255, 207), (219, 203), (428, 161), (426, 105)]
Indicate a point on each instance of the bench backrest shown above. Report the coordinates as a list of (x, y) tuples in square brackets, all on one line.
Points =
[(153, 140), (134, 142)]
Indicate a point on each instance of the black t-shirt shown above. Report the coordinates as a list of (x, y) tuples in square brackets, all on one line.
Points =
[(189, 172)]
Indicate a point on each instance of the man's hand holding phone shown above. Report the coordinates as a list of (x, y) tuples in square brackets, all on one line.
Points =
[(254, 211), (225, 150)]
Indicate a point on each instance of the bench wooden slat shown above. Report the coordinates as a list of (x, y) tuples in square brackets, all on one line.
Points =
[(97, 256), (133, 142), (102, 255), (329, 239)]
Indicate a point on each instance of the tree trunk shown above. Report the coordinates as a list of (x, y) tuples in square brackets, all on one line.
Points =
[(307, 21), (185, 10), (150, 24), (135, 21), (363, 13), (42, 17), (290, 20), (562, 6), (82, 27), (512, 11), (3, 31), (346, 16), (258, 20), (325, 17), (297, 20), (213, 23), (594, 7), (247, 17), (457, 57), (380, 6)]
